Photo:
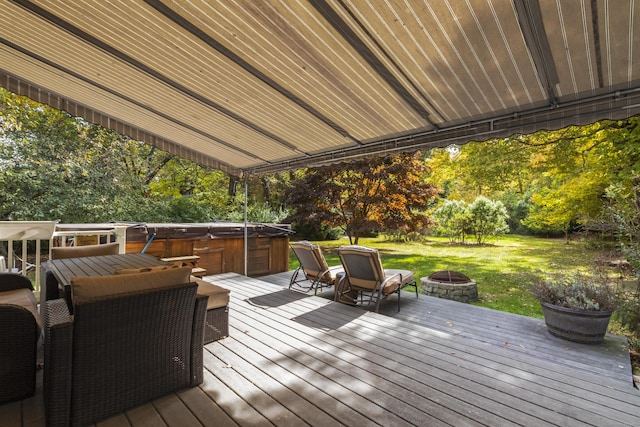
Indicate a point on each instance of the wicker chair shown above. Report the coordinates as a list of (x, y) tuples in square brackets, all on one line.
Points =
[(120, 351), (313, 272), (364, 279), (19, 334)]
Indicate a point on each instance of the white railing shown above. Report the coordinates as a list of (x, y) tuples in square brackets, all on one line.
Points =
[(18, 255), (24, 231), (71, 237)]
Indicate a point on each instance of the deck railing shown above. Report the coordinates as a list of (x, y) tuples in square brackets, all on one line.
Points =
[(22, 243)]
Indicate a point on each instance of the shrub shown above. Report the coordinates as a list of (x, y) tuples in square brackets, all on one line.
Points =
[(314, 231), (402, 235), (260, 212), (578, 291), (453, 220), (488, 218), (629, 316), (517, 207), (483, 218)]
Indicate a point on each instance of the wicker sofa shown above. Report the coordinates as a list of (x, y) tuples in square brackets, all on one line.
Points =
[(131, 339), (20, 330), (216, 324)]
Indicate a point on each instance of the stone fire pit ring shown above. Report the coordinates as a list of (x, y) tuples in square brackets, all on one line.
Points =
[(450, 285)]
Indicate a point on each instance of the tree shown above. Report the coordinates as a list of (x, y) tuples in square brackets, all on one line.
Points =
[(487, 218), (194, 193), (553, 181), (483, 218), (55, 166), (500, 169), (364, 196), (453, 220), (488, 168), (575, 167)]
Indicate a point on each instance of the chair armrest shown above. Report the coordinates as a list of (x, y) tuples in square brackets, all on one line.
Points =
[(58, 336), (388, 279), (11, 281), (197, 340)]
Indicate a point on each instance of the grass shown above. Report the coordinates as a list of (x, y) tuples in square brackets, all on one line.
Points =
[(501, 268)]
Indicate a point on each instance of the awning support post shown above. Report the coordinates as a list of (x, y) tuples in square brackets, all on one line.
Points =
[(246, 237)]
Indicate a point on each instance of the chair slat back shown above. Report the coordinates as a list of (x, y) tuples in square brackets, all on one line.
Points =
[(310, 257), (362, 266)]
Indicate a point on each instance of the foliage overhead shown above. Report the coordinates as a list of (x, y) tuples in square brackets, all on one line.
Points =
[(364, 196), (55, 166), (549, 181)]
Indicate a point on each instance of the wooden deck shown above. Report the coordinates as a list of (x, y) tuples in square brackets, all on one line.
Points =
[(294, 359)]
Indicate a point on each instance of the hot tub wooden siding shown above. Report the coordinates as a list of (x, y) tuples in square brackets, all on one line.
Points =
[(267, 255), (220, 247)]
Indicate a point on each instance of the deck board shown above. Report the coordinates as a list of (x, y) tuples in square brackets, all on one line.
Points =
[(368, 384), (174, 412), (225, 397), (294, 359), (518, 333), (204, 408), (232, 370), (304, 381), (356, 387), (291, 396), (470, 377)]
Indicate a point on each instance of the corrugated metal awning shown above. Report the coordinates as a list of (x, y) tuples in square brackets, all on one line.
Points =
[(263, 86)]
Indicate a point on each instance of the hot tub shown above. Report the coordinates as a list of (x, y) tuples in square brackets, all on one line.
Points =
[(220, 245)]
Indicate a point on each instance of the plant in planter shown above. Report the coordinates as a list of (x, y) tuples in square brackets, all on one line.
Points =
[(577, 306)]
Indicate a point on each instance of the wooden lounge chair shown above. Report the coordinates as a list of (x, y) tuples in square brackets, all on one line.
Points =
[(365, 281), (313, 273)]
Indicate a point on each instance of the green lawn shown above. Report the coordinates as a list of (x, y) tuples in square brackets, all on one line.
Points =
[(498, 268)]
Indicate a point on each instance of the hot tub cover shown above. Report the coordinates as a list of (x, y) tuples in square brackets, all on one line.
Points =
[(213, 230), (141, 232)]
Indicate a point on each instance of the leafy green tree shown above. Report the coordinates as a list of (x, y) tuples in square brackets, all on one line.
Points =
[(47, 164), (487, 218), (483, 218), (488, 168), (550, 181), (195, 193), (364, 196), (453, 220), (576, 166), (55, 166)]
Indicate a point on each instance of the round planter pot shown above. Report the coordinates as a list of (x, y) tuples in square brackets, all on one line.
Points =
[(583, 326)]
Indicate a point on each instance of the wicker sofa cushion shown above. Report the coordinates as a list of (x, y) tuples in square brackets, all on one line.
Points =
[(84, 251), (218, 296), (87, 288), (23, 298)]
